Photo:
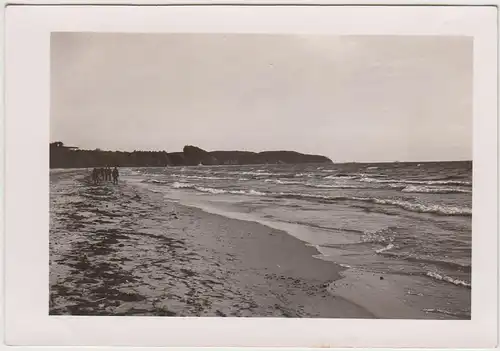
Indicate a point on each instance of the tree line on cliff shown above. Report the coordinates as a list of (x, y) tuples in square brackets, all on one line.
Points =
[(62, 156)]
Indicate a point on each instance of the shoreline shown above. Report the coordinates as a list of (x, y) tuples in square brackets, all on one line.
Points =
[(315, 269), (123, 251), (378, 294)]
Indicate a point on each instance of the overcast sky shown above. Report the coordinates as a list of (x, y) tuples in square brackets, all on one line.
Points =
[(349, 98)]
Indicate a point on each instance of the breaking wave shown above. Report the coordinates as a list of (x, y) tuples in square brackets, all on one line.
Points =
[(256, 173), (333, 186), (200, 177), (424, 182), (388, 247), (287, 182), (408, 206), (447, 279), (340, 177), (436, 190), (311, 185), (177, 185), (421, 208), (309, 175)]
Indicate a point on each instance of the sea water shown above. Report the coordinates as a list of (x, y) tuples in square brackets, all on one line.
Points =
[(401, 219)]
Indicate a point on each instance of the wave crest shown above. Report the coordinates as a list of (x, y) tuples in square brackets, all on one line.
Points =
[(447, 279), (405, 205), (408, 206), (424, 182), (177, 185), (339, 177), (216, 191), (425, 189), (200, 177), (285, 182), (388, 247)]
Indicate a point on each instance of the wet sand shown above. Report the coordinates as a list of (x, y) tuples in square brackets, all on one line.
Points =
[(123, 250)]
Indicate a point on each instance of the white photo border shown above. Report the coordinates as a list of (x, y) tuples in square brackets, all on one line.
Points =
[(26, 187)]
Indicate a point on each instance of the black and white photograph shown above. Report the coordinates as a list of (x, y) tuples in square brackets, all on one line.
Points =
[(257, 175), (251, 175)]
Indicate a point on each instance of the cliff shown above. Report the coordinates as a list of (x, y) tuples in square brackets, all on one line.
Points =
[(70, 157)]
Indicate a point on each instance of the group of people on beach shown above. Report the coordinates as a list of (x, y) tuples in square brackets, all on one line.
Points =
[(105, 174)]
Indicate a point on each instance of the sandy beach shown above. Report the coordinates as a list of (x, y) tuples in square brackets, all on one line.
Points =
[(121, 250)]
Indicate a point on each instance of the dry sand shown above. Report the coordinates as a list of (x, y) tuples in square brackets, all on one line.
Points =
[(123, 250)]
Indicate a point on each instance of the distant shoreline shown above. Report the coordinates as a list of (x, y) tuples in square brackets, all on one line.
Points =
[(312, 164), (62, 156)]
